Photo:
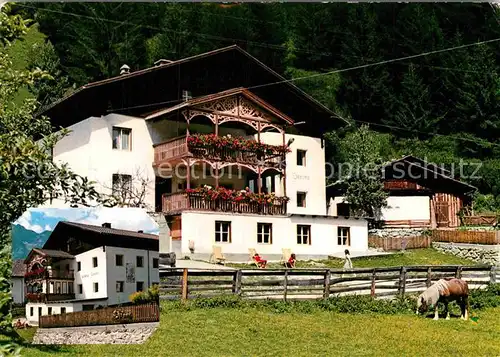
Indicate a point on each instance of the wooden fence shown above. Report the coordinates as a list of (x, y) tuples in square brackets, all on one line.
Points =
[(481, 220), (105, 316), (398, 243), (288, 284), (473, 237)]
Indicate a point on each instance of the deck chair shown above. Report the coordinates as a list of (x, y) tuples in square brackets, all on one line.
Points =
[(285, 255), (217, 255), (251, 253)]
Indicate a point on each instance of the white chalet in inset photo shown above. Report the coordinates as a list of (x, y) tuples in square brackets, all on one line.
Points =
[(81, 267), (222, 163)]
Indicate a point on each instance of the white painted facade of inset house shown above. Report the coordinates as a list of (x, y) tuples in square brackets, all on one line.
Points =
[(88, 276), (146, 274), (35, 310), (106, 275), (200, 228)]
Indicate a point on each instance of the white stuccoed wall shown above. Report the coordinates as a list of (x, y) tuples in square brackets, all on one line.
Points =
[(88, 151), (309, 178), (18, 290), (200, 227), (407, 208), (90, 275), (117, 273), (399, 208)]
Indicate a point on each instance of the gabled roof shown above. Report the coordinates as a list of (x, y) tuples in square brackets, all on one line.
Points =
[(98, 236), (439, 173), (151, 89), (110, 231), (228, 93), (18, 268), (416, 160), (48, 253)]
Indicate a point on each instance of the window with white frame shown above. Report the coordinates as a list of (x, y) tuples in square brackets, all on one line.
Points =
[(222, 232), (344, 236), (264, 233), (122, 186), (303, 234), (122, 138)]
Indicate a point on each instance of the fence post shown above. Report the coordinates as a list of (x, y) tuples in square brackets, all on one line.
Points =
[(429, 276), (372, 288), (493, 277), (285, 284), (458, 274), (237, 282), (184, 285), (402, 281), (326, 292)]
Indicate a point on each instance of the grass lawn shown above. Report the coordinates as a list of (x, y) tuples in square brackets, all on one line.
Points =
[(427, 256), (253, 332)]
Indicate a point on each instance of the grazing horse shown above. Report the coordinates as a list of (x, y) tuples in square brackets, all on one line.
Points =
[(445, 290)]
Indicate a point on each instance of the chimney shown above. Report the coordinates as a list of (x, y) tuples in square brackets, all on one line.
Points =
[(106, 225), (141, 231), (162, 61), (124, 69)]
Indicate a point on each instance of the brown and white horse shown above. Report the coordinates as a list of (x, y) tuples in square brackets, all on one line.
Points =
[(445, 290)]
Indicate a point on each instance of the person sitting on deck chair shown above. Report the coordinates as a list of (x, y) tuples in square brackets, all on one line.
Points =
[(291, 261), (260, 262)]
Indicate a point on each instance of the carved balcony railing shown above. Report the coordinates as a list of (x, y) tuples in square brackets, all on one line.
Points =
[(401, 185), (45, 273), (179, 148), (178, 202), (57, 274), (42, 297)]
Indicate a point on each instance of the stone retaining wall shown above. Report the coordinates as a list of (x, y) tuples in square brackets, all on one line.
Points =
[(109, 334), (489, 254), (398, 232)]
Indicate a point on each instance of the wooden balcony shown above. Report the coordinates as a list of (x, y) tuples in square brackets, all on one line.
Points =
[(174, 150), (63, 275), (53, 274), (402, 185), (42, 297), (178, 202)]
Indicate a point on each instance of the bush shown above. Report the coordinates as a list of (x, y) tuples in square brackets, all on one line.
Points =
[(148, 296), (489, 297), (352, 304)]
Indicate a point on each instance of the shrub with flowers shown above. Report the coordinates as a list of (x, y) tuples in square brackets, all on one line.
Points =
[(35, 297), (243, 196), (35, 273), (212, 141)]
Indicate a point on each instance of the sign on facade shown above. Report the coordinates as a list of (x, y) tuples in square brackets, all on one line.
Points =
[(130, 273)]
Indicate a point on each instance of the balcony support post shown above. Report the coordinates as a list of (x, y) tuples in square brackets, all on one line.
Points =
[(188, 173), (216, 175), (259, 178), (216, 125)]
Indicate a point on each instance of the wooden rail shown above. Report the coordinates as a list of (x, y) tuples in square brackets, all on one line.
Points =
[(472, 237), (173, 203), (179, 148), (396, 243), (290, 284)]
